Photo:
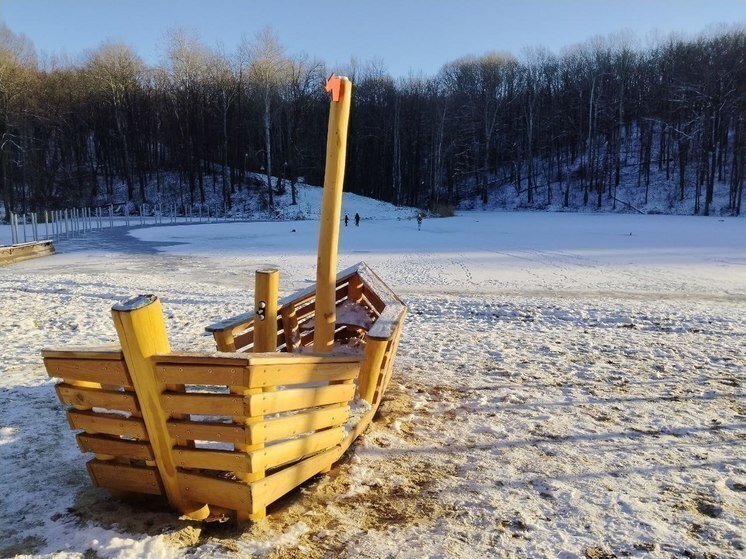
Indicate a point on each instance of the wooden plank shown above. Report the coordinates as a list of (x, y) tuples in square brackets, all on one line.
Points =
[(298, 398), (142, 335), (365, 302), (274, 358), (92, 422), (223, 460), (387, 323), (220, 358), (266, 285), (244, 340), (224, 340), (370, 371), (112, 446), (110, 352), (97, 398), (284, 452), (290, 328), (24, 251), (102, 371), (374, 283), (204, 404), (203, 431), (274, 486), (296, 424), (204, 374), (394, 349), (222, 492), (296, 373), (355, 289), (386, 367), (261, 432), (373, 299), (139, 479)]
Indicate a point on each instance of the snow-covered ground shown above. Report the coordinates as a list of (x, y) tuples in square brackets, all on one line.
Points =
[(566, 386)]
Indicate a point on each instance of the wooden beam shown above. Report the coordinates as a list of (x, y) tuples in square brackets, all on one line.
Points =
[(140, 479), (331, 208), (142, 334), (290, 328), (265, 310)]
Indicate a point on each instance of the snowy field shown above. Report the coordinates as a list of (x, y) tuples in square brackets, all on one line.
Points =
[(567, 385)]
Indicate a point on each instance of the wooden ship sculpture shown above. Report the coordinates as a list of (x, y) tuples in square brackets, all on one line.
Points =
[(291, 386)]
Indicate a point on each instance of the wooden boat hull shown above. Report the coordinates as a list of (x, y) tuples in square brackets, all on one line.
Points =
[(230, 432)]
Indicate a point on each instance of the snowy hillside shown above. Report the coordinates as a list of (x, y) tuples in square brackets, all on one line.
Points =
[(662, 194)]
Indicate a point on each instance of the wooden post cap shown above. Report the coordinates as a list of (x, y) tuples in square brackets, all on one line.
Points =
[(134, 303)]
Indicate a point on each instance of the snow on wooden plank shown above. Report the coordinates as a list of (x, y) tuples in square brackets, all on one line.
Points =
[(94, 397)]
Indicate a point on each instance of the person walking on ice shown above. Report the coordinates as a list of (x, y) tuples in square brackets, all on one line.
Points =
[(357, 219), (347, 220), (419, 221)]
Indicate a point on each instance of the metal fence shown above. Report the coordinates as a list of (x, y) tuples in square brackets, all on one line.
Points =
[(70, 223)]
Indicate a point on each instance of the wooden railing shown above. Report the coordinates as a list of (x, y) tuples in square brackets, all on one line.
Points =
[(357, 284)]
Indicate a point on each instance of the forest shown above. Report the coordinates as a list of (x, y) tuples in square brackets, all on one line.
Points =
[(564, 129)]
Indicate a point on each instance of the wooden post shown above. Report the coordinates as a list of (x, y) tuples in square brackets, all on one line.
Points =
[(265, 339), (375, 351), (142, 334), (331, 209), (265, 310)]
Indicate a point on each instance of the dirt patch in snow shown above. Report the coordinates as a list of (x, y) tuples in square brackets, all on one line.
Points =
[(387, 488)]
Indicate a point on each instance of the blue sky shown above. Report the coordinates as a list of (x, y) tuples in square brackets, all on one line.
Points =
[(407, 34)]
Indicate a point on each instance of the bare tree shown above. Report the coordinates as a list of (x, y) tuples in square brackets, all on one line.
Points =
[(269, 68)]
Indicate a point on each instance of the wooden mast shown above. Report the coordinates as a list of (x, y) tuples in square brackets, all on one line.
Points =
[(331, 209)]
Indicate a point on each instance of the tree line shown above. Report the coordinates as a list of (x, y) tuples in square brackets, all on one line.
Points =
[(551, 129)]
